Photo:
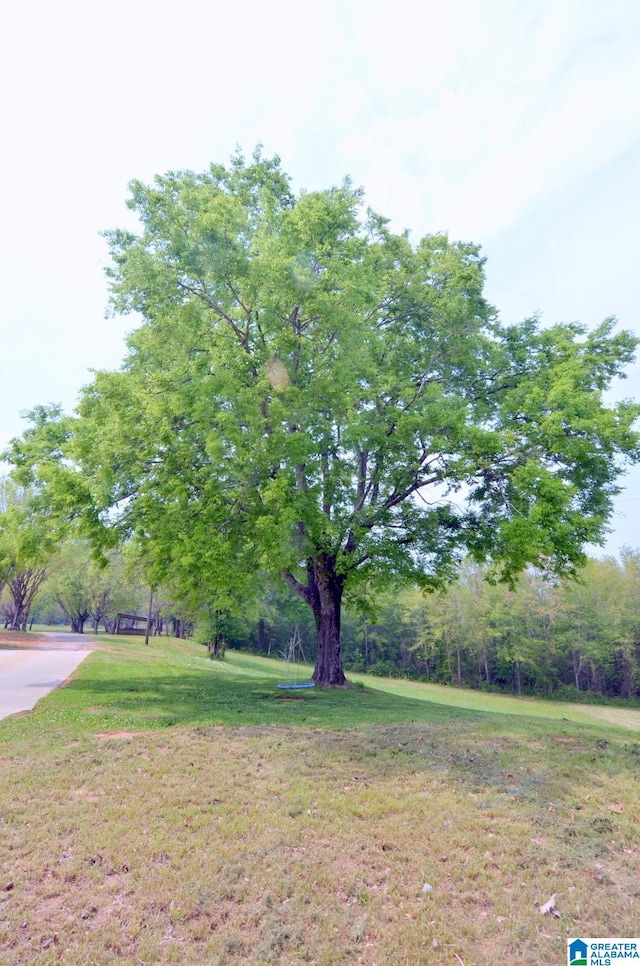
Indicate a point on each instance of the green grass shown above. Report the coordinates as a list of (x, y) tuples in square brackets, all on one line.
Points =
[(173, 682), (163, 808), (130, 686), (505, 704)]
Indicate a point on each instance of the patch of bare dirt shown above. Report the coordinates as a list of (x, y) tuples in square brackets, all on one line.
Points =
[(121, 735)]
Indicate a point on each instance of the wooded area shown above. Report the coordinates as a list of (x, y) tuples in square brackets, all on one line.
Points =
[(543, 636), (553, 637)]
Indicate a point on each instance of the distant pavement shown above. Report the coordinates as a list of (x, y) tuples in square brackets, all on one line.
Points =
[(26, 675)]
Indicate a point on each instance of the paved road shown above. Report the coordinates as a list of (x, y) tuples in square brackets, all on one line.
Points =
[(27, 675)]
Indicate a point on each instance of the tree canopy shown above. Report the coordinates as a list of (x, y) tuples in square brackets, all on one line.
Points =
[(313, 394)]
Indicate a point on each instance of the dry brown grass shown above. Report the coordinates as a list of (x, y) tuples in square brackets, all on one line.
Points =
[(217, 845)]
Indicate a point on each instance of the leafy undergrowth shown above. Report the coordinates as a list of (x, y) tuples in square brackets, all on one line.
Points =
[(163, 809)]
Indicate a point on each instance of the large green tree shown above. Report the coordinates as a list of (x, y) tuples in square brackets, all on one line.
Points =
[(310, 393)]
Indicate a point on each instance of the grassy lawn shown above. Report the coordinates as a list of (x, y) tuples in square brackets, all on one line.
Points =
[(162, 808), (628, 718)]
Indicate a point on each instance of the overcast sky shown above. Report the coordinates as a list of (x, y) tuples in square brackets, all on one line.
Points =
[(515, 125)]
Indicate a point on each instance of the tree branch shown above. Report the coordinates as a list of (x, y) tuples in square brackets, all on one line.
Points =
[(397, 498), (204, 296), (245, 309), (361, 492)]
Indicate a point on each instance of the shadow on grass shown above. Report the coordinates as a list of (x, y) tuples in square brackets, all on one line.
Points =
[(157, 701)]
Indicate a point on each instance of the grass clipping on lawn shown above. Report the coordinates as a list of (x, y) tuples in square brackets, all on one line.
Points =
[(210, 843)]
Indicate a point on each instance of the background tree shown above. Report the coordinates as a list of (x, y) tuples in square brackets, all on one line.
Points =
[(630, 600), (46, 609), (89, 588), (25, 547), (309, 392), (70, 583), (589, 625), (113, 589)]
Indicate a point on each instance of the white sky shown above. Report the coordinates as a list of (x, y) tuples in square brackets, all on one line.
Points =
[(512, 124)]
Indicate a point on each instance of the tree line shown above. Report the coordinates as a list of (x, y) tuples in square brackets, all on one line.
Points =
[(542, 635)]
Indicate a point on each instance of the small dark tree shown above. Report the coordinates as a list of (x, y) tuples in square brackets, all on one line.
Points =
[(21, 590)]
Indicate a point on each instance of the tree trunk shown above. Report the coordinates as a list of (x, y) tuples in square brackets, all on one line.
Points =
[(518, 678), (627, 676), (323, 594), (19, 622), (577, 668), (262, 637), (328, 669)]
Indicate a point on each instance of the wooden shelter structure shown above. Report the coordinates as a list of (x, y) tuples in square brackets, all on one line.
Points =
[(134, 624)]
